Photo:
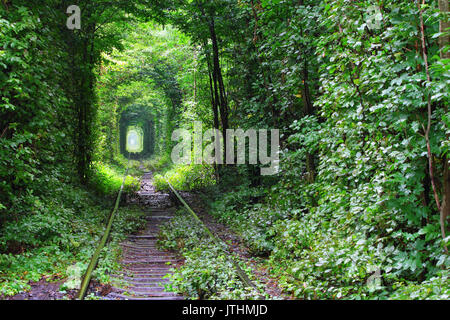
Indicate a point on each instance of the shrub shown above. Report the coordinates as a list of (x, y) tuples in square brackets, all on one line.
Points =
[(186, 178), (107, 180)]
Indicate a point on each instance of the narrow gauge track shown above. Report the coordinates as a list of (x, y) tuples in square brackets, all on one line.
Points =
[(144, 265)]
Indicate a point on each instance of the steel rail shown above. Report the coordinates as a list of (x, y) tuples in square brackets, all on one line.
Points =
[(95, 257)]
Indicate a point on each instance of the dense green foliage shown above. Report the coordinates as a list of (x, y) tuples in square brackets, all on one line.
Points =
[(49, 221), (107, 181), (186, 178), (64, 230), (139, 86), (360, 207), (358, 106)]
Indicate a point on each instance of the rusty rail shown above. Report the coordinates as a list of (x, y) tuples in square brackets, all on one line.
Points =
[(94, 260)]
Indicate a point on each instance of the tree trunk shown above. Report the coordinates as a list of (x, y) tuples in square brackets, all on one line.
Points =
[(428, 129), (212, 86), (213, 99), (443, 41), (223, 106), (309, 110)]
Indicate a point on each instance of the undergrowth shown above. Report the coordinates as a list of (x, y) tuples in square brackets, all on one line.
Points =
[(320, 257), (207, 272), (57, 236), (107, 179), (185, 177)]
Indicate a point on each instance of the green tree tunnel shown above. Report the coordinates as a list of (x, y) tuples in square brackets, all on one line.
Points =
[(139, 117)]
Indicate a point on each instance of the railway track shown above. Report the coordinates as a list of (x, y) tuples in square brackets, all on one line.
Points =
[(144, 265)]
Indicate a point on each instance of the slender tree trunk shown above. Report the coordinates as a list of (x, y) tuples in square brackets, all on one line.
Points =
[(444, 41), (195, 79), (308, 109), (217, 73), (213, 99), (212, 87), (428, 128)]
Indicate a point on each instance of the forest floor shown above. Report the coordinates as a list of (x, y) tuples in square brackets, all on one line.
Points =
[(50, 290)]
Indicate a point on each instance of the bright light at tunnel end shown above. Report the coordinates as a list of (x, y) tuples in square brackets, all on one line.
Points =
[(134, 142)]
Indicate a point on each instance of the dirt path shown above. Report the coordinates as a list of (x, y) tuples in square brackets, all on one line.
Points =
[(144, 266)]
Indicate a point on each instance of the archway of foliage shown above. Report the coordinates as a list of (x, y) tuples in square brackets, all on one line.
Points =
[(143, 84), (363, 113), (142, 119)]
